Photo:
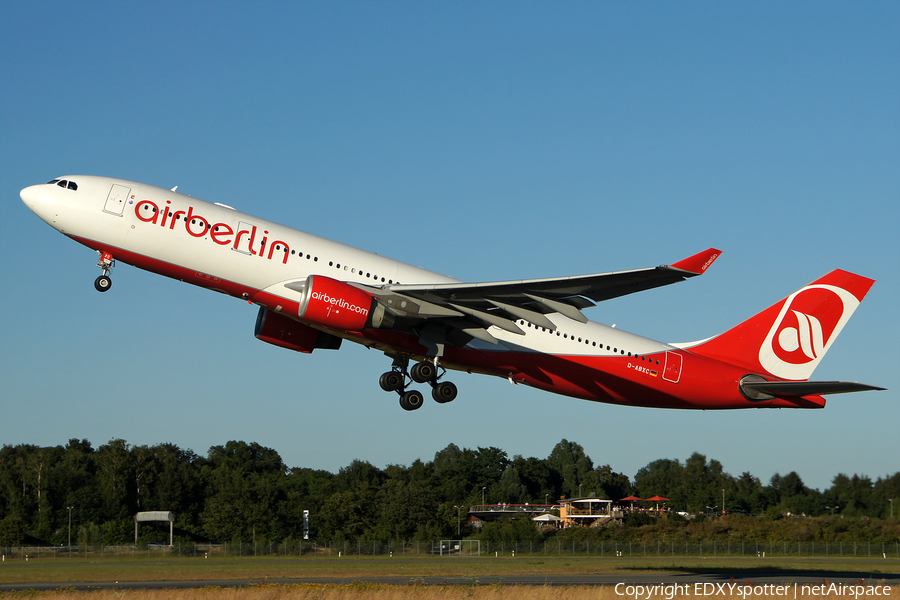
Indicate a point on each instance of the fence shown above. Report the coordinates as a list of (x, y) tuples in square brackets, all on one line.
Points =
[(557, 547)]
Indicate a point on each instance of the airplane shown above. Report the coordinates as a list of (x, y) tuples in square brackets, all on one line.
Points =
[(314, 293)]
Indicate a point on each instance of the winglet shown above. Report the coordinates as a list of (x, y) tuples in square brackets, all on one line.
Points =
[(698, 263)]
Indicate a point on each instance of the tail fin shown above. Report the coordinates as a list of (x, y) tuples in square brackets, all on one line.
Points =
[(788, 339)]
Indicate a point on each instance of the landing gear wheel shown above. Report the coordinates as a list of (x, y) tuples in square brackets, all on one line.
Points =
[(411, 400), (391, 381), (102, 283), (444, 392), (423, 372)]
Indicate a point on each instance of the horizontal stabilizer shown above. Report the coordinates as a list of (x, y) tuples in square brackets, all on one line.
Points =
[(804, 388)]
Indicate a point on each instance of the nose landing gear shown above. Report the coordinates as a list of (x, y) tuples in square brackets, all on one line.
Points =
[(104, 282), (426, 371)]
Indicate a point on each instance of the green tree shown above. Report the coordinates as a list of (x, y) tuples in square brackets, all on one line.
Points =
[(18, 496), (358, 474), (405, 508), (510, 488), (852, 495), (452, 476), (703, 483), (115, 479), (885, 494), (244, 490), (664, 477), (612, 485), (305, 489), (487, 469), (573, 464), (746, 495), (12, 531), (540, 482), (352, 513), (75, 484)]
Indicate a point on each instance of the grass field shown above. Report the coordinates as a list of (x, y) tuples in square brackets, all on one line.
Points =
[(362, 591), (64, 570)]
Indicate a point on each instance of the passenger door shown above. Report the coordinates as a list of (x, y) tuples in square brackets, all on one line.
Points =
[(115, 202), (672, 372)]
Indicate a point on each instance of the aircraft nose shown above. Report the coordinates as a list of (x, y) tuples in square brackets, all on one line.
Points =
[(30, 196), (35, 198)]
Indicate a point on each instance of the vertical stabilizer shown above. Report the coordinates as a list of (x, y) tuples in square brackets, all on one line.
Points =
[(788, 339)]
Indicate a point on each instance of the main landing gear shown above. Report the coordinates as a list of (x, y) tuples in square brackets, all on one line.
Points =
[(422, 372), (104, 282)]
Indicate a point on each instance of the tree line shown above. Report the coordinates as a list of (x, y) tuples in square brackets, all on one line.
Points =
[(243, 490)]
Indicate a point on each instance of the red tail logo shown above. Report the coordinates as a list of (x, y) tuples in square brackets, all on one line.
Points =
[(808, 322), (788, 339)]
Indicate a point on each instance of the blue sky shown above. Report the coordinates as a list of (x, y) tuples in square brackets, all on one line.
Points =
[(487, 141)]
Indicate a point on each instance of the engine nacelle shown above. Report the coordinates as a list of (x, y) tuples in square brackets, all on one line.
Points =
[(335, 304), (277, 329)]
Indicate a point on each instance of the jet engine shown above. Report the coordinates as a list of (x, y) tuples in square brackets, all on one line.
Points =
[(279, 330), (337, 305)]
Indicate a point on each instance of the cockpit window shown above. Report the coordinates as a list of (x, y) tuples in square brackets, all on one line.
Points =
[(71, 185)]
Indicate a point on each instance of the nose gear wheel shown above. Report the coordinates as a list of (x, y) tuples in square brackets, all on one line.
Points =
[(107, 262), (102, 283)]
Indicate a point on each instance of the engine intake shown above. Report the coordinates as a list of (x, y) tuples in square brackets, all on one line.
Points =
[(335, 304)]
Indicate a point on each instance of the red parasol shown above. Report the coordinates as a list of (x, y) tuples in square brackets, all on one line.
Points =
[(657, 499), (631, 499)]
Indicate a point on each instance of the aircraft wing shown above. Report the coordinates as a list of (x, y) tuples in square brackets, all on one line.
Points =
[(473, 307)]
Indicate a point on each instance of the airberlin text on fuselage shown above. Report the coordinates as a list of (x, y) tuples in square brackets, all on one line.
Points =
[(339, 302), (220, 233)]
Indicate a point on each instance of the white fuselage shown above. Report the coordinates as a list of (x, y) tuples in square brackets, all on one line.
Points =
[(218, 247)]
